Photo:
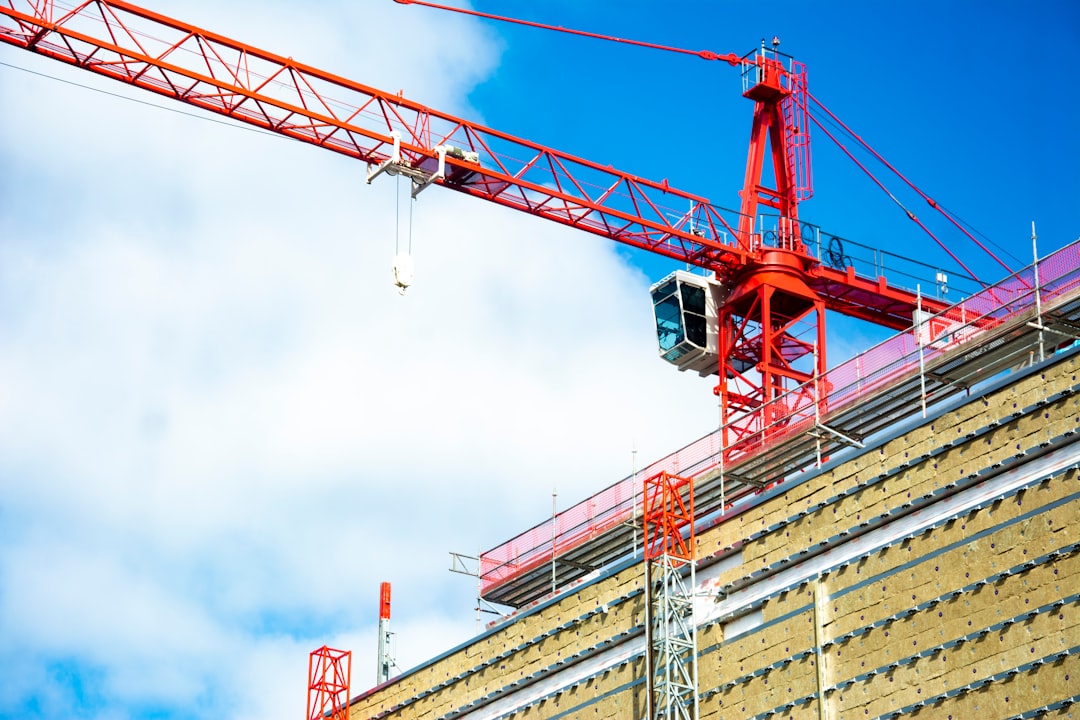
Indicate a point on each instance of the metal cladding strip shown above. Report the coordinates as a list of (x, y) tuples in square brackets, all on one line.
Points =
[(785, 708), (914, 707), (1049, 557), (973, 586), (997, 677), (496, 659), (1046, 709), (976, 685), (555, 682), (874, 579), (970, 637), (955, 692), (526, 681), (970, 587), (534, 677), (926, 499), (574, 711), (869, 524), (797, 657), (707, 611)]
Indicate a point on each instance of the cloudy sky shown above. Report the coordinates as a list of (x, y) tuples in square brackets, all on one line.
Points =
[(221, 427)]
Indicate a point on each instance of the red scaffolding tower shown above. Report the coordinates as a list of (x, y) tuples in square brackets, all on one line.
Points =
[(329, 679)]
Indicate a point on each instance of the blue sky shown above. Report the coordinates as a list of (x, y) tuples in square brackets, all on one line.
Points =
[(964, 97), (221, 428)]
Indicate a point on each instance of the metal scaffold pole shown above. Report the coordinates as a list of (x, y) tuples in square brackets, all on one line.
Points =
[(1038, 291), (554, 533), (922, 334)]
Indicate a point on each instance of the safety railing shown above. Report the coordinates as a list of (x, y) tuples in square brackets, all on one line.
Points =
[(841, 388), (869, 261)]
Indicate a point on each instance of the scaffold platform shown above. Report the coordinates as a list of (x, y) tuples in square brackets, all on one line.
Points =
[(1011, 324)]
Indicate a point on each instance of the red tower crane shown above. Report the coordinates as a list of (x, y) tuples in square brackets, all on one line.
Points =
[(759, 325)]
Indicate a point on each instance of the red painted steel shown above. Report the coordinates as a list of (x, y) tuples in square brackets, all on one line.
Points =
[(761, 388), (778, 284), (762, 358), (384, 601), (172, 58), (329, 679), (668, 513), (770, 90)]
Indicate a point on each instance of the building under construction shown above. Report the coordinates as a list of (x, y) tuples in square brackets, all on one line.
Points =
[(913, 552), (895, 536)]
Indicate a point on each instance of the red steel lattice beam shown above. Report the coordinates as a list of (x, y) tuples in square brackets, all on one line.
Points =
[(329, 679), (668, 511), (171, 58), (175, 59)]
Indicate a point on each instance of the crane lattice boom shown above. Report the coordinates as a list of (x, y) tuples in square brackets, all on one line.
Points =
[(774, 284)]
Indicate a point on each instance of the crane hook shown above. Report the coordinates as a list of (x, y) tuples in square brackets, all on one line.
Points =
[(403, 272)]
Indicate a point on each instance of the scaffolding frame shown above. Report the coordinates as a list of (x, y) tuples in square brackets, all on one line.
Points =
[(329, 681), (671, 633)]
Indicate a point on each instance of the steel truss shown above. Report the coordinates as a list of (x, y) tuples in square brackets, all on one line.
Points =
[(669, 573)]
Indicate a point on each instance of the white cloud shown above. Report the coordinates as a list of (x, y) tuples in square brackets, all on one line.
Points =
[(220, 427)]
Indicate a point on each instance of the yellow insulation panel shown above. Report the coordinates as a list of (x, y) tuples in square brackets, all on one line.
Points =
[(901, 656)]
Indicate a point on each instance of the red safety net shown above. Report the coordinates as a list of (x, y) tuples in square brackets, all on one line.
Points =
[(842, 387)]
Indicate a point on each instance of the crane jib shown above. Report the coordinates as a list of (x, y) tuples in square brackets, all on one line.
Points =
[(777, 283)]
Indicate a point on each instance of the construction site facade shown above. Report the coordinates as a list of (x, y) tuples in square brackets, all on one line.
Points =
[(910, 549)]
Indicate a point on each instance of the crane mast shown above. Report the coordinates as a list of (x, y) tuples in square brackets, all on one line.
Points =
[(764, 379), (769, 293)]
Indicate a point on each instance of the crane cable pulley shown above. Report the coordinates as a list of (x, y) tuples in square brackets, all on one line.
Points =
[(403, 263), (396, 165)]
